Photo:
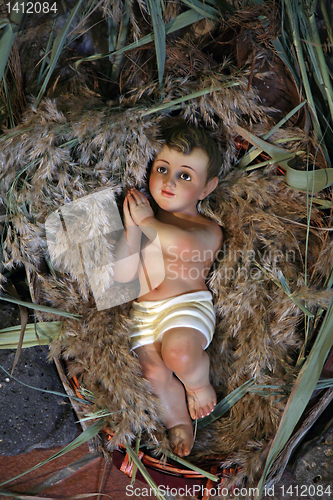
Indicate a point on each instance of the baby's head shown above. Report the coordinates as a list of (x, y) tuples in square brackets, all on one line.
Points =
[(186, 169), (177, 134)]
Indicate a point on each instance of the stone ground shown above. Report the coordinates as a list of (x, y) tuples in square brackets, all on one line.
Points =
[(32, 419)]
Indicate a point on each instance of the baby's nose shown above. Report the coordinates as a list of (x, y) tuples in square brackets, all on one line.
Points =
[(169, 180)]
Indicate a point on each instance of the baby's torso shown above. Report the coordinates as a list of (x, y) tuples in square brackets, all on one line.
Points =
[(164, 275)]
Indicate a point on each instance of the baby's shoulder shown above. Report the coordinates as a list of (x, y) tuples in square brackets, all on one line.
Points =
[(216, 231), (210, 231), (211, 225)]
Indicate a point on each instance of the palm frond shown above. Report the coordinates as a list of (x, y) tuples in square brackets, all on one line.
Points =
[(153, 486), (156, 9), (182, 21), (7, 38), (38, 307), (254, 152), (117, 40), (304, 386), (193, 467), (42, 333), (225, 404), (58, 45), (313, 180), (301, 48), (202, 8), (175, 103)]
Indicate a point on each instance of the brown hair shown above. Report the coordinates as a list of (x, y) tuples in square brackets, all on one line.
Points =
[(178, 134)]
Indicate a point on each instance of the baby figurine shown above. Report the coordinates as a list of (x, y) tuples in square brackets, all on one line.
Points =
[(174, 322)]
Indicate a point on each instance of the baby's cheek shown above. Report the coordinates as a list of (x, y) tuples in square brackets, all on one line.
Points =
[(152, 184)]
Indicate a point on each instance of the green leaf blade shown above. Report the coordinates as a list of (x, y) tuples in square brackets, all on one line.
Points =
[(304, 386), (155, 10), (38, 307), (46, 331), (58, 45), (182, 21), (8, 35)]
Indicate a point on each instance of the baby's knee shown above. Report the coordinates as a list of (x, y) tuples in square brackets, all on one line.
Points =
[(178, 358), (181, 349)]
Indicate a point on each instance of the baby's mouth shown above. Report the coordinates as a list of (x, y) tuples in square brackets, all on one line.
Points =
[(167, 194)]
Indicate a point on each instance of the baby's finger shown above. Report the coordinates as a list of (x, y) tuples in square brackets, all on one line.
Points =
[(127, 215), (126, 209), (129, 202), (126, 206), (135, 195), (132, 201), (141, 197), (127, 198)]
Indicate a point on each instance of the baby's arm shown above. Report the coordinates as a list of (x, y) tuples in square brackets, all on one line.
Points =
[(171, 236), (127, 252)]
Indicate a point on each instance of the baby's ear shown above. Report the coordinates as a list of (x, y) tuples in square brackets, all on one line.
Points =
[(210, 186)]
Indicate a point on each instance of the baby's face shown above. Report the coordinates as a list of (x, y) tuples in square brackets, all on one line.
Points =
[(177, 180)]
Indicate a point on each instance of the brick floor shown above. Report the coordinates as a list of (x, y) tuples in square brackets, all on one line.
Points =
[(94, 477), (97, 480)]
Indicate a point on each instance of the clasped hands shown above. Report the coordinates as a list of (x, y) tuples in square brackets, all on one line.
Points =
[(136, 208)]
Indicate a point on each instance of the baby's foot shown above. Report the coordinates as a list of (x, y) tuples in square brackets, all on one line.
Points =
[(201, 402), (181, 439)]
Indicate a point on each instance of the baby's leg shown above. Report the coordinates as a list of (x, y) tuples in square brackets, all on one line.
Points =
[(183, 353), (172, 397)]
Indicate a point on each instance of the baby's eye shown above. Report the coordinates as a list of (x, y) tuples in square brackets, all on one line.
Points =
[(185, 176), (161, 170)]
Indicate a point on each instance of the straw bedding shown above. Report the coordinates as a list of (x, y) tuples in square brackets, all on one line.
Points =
[(74, 146)]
